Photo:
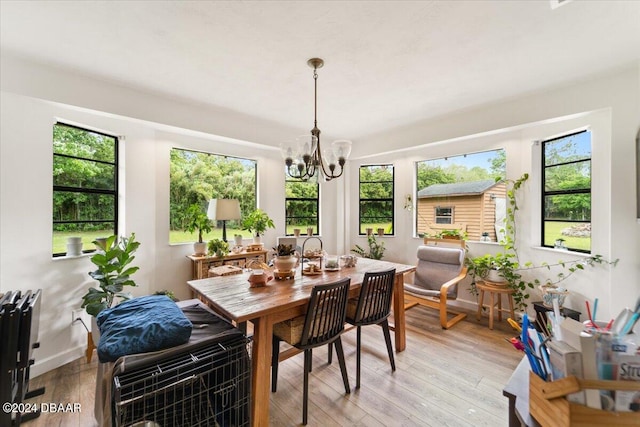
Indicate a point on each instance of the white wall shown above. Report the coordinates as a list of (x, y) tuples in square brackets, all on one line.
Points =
[(609, 105), (34, 96), (26, 165)]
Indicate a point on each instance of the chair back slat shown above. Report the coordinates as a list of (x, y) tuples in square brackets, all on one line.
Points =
[(326, 314), (374, 303)]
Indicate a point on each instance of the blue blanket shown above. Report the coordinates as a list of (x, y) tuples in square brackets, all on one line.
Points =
[(141, 325)]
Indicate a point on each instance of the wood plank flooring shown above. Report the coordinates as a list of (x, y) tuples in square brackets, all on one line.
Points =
[(445, 377)]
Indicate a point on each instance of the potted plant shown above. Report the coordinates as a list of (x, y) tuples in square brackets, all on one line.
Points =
[(376, 250), (257, 223), (237, 238), (559, 244), (196, 219), (218, 247), (508, 265), (285, 258), (113, 273), (452, 234)]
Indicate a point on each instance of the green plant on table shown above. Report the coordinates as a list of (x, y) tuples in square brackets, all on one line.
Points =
[(376, 249), (114, 272), (284, 250), (218, 247)]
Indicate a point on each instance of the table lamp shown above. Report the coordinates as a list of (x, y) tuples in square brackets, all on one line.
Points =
[(223, 210)]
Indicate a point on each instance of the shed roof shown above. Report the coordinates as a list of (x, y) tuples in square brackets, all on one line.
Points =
[(457, 189)]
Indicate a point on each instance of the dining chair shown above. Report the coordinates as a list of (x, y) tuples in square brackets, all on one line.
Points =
[(322, 324), (372, 307)]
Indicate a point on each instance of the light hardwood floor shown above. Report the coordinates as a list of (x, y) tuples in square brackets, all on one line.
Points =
[(445, 377)]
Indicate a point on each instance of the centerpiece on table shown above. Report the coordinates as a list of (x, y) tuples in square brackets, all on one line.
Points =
[(285, 261)]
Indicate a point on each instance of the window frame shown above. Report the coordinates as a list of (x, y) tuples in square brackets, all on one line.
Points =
[(384, 199), (115, 193), (544, 193), (450, 216), (224, 156), (316, 199)]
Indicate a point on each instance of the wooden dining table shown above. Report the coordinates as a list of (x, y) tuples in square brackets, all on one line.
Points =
[(232, 298)]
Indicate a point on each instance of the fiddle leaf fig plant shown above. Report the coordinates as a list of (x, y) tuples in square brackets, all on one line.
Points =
[(113, 273)]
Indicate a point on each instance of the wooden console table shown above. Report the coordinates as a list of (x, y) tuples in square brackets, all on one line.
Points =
[(201, 264)]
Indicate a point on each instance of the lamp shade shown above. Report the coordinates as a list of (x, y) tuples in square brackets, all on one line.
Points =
[(223, 209)]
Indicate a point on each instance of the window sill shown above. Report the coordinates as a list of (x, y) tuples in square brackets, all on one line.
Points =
[(66, 257), (562, 251)]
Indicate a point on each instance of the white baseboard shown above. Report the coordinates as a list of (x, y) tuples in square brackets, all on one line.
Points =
[(50, 363)]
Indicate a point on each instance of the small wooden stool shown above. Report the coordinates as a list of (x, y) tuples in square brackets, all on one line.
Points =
[(495, 290)]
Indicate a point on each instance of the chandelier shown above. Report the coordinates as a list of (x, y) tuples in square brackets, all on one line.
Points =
[(304, 158)]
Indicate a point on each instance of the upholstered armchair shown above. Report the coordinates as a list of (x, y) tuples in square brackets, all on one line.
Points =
[(439, 270)]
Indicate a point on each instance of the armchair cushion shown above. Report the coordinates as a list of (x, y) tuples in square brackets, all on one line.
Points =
[(436, 266)]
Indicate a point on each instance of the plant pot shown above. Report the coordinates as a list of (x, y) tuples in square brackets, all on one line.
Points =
[(285, 263), (200, 248), (310, 231), (494, 276), (95, 331), (369, 231), (257, 239), (238, 240), (74, 246), (296, 232), (380, 232)]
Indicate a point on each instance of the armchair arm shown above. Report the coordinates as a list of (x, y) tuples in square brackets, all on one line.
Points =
[(445, 287)]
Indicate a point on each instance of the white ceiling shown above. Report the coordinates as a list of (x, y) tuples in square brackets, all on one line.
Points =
[(387, 63)]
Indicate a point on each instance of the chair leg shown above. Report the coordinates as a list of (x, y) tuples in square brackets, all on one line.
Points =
[(330, 356), (343, 365), (358, 344), (480, 304), (387, 338), (305, 397), (275, 350)]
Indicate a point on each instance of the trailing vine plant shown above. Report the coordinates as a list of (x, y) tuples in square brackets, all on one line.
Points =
[(508, 264)]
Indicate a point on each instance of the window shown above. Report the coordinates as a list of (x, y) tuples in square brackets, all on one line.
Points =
[(376, 198), (466, 193), (301, 205), (443, 215), (85, 186), (196, 178), (566, 195)]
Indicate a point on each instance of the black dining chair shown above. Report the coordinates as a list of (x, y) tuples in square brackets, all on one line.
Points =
[(372, 307), (322, 324)]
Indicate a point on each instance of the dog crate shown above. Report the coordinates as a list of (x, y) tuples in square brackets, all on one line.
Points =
[(206, 386)]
